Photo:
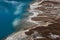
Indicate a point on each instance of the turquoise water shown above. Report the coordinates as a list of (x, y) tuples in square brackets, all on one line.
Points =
[(7, 15)]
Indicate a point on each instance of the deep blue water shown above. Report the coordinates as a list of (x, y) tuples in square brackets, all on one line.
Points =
[(7, 15)]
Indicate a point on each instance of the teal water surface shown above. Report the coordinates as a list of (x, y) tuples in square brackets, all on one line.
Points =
[(7, 15)]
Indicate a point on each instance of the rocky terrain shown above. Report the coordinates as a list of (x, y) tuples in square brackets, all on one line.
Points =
[(46, 19)]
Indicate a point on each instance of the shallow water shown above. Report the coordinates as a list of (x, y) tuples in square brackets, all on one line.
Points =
[(8, 14)]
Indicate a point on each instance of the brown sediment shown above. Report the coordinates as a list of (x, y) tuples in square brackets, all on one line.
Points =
[(57, 39), (47, 16), (40, 18), (43, 39), (47, 2), (58, 20), (44, 19), (55, 28), (29, 32), (57, 32), (41, 8), (45, 31)]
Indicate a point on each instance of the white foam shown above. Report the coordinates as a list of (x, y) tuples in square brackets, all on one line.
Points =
[(16, 22), (34, 11), (19, 35), (18, 8), (13, 2), (36, 4), (32, 21), (53, 36)]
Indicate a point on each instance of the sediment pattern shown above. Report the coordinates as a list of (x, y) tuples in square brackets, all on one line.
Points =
[(47, 12), (46, 19)]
